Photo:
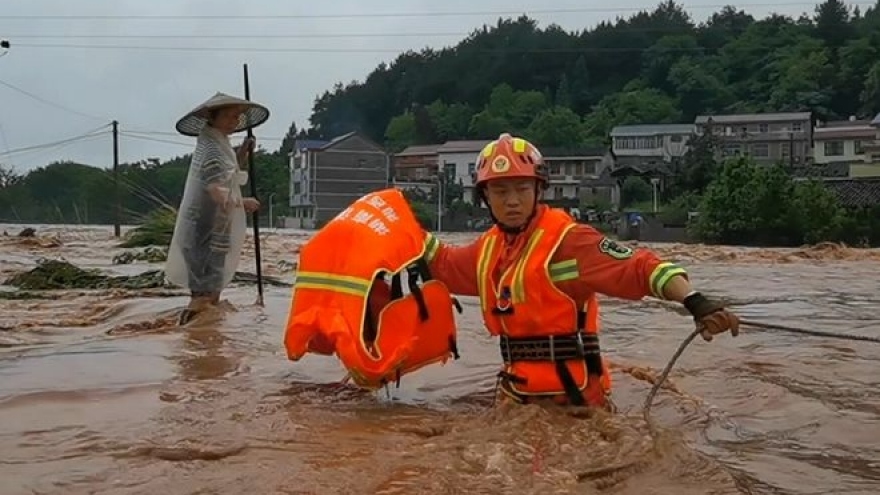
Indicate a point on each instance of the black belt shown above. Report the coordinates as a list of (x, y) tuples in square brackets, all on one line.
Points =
[(556, 349), (551, 348)]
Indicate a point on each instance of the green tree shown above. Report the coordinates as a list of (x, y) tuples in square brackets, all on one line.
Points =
[(557, 126), (633, 105), (635, 190), (756, 204)]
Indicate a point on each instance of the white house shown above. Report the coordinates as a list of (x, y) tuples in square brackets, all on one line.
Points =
[(665, 141), (569, 168), (459, 160), (841, 141)]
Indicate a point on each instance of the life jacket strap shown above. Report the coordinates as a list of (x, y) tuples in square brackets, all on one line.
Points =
[(558, 349)]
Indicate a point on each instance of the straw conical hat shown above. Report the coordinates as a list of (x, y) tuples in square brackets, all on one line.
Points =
[(193, 122)]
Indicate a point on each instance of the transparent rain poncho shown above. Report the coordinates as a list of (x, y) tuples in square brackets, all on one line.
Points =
[(211, 223)]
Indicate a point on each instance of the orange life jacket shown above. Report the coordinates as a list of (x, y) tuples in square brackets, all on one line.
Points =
[(549, 345), (341, 276)]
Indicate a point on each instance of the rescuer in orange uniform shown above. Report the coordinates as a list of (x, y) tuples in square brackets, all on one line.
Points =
[(537, 274)]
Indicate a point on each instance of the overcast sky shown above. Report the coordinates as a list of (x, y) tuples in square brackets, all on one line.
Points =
[(68, 85)]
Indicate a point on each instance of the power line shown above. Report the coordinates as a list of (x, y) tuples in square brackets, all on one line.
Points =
[(215, 48), (50, 103), (236, 36), (167, 133), (525, 11), (87, 135), (155, 140), (34, 155), (500, 51)]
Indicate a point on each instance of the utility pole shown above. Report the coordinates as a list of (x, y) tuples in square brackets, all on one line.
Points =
[(440, 179), (118, 206)]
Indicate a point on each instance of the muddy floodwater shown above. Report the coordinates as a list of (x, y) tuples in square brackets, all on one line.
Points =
[(101, 394)]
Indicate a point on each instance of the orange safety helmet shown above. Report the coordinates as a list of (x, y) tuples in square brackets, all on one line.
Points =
[(510, 157)]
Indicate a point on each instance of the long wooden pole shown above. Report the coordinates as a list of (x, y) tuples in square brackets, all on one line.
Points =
[(256, 214)]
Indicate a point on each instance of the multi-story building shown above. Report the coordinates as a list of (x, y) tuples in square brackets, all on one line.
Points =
[(871, 163), (767, 137), (569, 168), (327, 176), (841, 141), (415, 163), (458, 160), (653, 142)]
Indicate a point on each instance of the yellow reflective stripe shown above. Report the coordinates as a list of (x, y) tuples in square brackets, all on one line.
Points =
[(519, 145), (564, 270), (662, 275), (432, 244), (330, 281), (518, 291), (489, 149), (483, 269)]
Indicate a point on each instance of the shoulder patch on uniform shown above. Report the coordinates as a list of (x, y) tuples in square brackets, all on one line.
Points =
[(615, 250)]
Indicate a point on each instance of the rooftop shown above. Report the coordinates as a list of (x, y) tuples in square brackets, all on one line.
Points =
[(651, 129), (309, 144), (756, 118), (473, 146), (838, 169), (856, 192), (419, 150), (852, 122)]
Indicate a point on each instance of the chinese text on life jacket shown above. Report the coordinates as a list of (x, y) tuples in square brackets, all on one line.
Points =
[(372, 211)]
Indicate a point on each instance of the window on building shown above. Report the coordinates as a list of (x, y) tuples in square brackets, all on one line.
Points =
[(676, 138), (731, 150), (834, 148), (760, 150), (763, 128), (472, 167), (362, 162), (297, 188), (557, 192), (796, 127), (859, 147)]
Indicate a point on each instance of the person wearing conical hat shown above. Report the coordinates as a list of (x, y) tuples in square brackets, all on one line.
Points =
[(211, 220)]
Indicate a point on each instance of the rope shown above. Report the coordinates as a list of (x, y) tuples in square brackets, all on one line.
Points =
[(814, 333), (646, 410)]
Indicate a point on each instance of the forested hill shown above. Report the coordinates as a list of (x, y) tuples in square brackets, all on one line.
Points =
[(651, 67)]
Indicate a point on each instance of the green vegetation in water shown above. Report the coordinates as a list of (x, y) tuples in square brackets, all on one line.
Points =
[(51, 275), (155, 230), (58, 275), (150, 254)]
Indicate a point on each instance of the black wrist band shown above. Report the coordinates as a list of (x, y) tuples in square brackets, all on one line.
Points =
[(694, 301)]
